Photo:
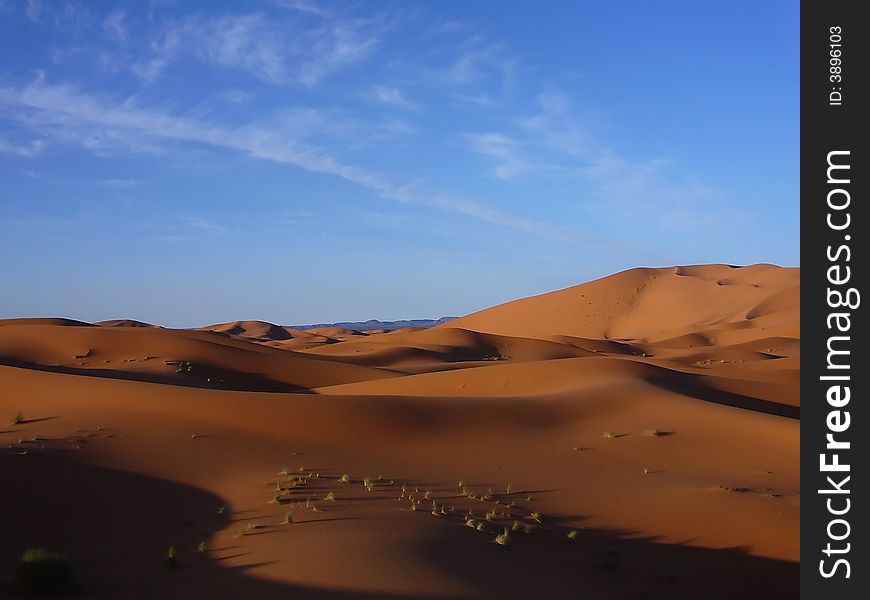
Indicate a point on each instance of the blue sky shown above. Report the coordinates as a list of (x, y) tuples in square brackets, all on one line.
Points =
[(302, 161)]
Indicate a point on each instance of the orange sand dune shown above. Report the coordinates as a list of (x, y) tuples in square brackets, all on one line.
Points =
[(637, 436), (253, 330), (336, 332), (649, 304), (444, 345), (277, 336), (195, 358)]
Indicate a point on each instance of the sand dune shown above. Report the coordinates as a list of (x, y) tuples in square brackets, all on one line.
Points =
[(654, 412), (191, 358), (439, 345), (278, 336), (253, 330), (649, 304)]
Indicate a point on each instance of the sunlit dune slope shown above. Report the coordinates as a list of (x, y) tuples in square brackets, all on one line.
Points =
[(729, 329), (656, 304)]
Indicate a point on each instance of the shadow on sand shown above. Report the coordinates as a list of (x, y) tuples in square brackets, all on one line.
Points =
[(116, 528), (207, 376)]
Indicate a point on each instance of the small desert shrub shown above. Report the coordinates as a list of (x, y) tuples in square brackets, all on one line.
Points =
[(610, 434), (288, 518), (503, 538), (330, 497), (18, 418), (171, 555), (481, 526), (43, 572), (345, 478), (471, 523), (201, 547), (572, 535), (654, 432), (516, 526), (536, 516), (247, 529)]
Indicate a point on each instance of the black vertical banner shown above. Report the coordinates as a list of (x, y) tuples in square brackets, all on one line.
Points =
[(835, 422)]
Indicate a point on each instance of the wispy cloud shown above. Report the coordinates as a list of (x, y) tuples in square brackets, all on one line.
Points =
[(650, 188), (306, 7), (119, 184), (163, 50), (34, 10), (554, 125), (478, 62), (479, 100), (27, 150), (115, 27), (504, 149), (272, 50), (390, 127), (70, 16), (337, 46), (483, 212), (246, 42), (236, 96), (392, 96), (76, 116), (291, 217), (197, 222)]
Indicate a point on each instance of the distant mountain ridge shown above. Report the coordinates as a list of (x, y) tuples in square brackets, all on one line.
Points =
[(376, 324)]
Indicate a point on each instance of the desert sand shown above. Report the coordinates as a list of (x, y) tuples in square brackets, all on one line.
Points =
[(637, 436)]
